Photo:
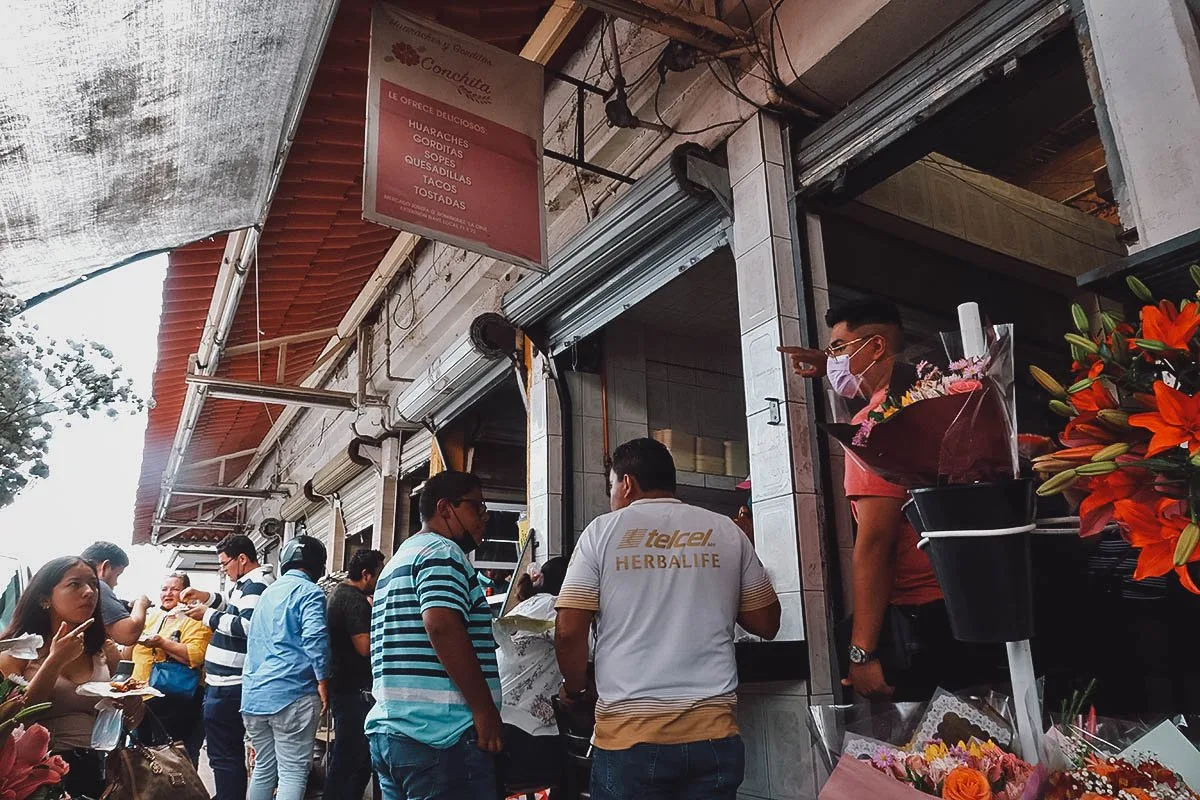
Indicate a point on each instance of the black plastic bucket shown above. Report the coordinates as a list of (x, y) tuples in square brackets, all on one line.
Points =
[(987, 579)]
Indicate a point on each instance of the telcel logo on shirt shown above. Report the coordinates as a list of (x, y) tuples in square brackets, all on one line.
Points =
[(676, 540), (639, 537)]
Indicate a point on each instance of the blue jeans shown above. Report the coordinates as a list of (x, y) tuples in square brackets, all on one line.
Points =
[(283, 749), (705, 770), (226, 735), (350, 760), (411, 770)]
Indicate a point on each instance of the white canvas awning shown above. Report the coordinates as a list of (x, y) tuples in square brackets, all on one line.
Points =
[(129, 127)]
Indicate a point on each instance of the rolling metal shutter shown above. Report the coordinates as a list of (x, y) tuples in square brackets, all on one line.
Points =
[(973, 51)]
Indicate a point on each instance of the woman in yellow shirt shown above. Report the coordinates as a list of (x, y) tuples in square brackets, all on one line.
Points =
[(168, 635)]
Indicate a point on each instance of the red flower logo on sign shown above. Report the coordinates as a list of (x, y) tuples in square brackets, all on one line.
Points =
[(405, 54)]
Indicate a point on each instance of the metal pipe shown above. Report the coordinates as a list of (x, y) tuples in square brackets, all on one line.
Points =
[(227, 492), (282, 395), (195, 523), (240, 248), (584, 165)]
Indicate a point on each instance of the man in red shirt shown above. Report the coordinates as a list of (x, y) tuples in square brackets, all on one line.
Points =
[(899, 613)]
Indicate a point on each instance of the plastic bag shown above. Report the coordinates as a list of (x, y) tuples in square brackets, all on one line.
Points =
[(106, 731)]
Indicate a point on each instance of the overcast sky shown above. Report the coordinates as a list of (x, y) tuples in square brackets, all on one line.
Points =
[(94, 464)]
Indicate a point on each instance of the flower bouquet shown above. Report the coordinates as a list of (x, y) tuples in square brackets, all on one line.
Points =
[(27, 770), (950, 439), (902, 751), (1131, 443), (949, 427), (971, 770), (1093, 757)]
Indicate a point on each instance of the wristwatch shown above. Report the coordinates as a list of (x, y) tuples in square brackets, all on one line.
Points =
[(860, 656), (572, 696)]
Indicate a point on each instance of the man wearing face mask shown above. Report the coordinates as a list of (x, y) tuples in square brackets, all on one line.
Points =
[(900, 643), (435, 727)]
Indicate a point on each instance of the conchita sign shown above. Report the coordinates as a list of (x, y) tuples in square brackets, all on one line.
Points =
[(454, 139)]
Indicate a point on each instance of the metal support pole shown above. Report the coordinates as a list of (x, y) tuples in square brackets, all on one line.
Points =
[(1026, 702)]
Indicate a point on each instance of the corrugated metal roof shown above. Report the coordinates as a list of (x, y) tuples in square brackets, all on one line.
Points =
[(314, 257)]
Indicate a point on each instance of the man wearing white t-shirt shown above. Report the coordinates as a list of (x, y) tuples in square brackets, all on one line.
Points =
[(665, 583)]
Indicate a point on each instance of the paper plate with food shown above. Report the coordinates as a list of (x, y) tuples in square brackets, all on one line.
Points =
[(128, 687)]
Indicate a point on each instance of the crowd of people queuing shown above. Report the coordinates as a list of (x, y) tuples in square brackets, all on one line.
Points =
[(428, 698)]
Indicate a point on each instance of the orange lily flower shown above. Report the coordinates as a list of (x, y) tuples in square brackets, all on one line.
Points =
[(1094, 398), (1155, 529), (1129, 483), (1174, 329), (1176, 422), (1084, 430)]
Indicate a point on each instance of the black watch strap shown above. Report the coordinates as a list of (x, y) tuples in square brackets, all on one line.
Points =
[(860, 656)]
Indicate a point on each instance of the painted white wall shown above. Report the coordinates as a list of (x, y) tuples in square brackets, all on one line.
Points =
[(1148, 60)]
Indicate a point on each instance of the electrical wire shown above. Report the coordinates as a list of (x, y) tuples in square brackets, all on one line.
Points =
[(574, 96), (1005, 202), (788, 57), (676, 131), (587, 211), (412, 293), (1048, 182)]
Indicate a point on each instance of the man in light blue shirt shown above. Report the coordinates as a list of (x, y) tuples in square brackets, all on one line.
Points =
[(287, 664)]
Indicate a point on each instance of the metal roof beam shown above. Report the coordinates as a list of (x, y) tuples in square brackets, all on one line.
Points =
[(196, 523), (227, 492), (215, 460), (269, 344), (252, 391)]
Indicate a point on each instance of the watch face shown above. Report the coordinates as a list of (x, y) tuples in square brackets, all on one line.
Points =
[(858, 655)]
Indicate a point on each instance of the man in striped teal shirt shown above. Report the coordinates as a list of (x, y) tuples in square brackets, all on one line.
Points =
[(436, 724)]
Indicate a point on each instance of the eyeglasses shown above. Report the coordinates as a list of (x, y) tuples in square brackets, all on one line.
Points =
[(479, 506), (834, 350)]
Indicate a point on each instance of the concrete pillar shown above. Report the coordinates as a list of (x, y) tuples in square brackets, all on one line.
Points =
[(787, 507), (545, 462), (1146, 84), (383, 524)]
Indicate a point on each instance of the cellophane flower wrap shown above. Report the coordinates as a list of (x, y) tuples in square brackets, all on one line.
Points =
[(1096, 758), (27, 770), (1130, 445), (952, 425), (903, 752)]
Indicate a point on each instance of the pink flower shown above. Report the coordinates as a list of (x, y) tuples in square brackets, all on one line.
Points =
[(24, 764), (864, 432), (917, 766), (939, 768), (965, 386)]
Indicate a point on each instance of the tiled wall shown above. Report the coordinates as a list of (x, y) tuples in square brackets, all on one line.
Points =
[(843, 520), (654, 380), (788, 510), (545, 462)]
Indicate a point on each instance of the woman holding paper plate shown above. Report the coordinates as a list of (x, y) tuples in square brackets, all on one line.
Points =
[(530, 678), (169, 656), (62, 606)]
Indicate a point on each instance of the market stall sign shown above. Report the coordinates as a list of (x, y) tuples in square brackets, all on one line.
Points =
[(454, 140)]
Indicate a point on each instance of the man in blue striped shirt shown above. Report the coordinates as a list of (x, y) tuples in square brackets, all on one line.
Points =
[(229, 619), (436, 724)]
